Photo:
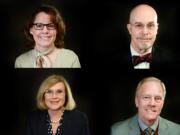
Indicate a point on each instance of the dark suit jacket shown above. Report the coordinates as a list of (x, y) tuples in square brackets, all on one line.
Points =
[(121, 58), (73, 123)]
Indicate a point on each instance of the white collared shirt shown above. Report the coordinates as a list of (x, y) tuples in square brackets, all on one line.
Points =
[(143, 126)]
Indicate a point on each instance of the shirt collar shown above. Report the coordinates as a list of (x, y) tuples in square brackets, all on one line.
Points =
[(135, 53), (143, 126)]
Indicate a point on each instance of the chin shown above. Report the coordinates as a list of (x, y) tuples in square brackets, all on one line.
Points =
[(145, 46), (45, 45), (54, 109)]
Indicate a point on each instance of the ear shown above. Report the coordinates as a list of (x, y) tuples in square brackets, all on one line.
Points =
[(30, 31), (157, 27), (129, 28), (136, 101)]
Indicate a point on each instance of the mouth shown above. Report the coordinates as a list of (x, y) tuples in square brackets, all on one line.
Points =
[(145, 39), (151, 111), (45, 37), (54, 102)]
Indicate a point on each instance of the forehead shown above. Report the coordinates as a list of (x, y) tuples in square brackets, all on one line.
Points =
[(143, 14), (42, 16), (59, 85), (151, 87)]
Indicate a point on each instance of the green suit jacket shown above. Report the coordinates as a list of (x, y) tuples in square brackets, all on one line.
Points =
[(131, 127)]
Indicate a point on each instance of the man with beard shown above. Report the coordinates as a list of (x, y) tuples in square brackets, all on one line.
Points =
[(143, 53), (143, 28), (149, 99)]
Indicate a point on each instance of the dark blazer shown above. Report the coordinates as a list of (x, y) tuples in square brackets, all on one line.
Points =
[(121, 58), (131, 127), (73, 123)]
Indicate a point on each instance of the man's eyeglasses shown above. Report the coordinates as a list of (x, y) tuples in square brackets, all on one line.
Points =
[(140, 26), (40, 26), (148, 98)]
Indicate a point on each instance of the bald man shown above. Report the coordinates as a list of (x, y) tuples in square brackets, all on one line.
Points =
[(142, 27), (141, 52), (149, 100)]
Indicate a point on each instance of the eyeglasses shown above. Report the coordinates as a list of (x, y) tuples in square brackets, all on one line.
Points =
[(140, 26), (50, 92), (40, 26), (157, 99)]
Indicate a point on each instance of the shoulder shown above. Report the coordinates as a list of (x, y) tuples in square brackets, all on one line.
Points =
[(67, 52), (170, 124), (163, 55), (26, 54), (36, 115), (75, 117), (121, 124), (76, 114), (23, 58), (122, 127), (67, 58), (75, 122)]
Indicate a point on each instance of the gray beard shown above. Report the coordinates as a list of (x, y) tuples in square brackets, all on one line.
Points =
[(144, 48)]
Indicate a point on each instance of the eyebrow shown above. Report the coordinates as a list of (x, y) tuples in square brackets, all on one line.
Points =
[(55, 90), (143, 23)]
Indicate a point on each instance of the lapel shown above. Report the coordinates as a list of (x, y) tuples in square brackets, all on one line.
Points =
[(163, 127), (66, 123), (154, 59), (129, 58), (126, 59), (133, 126)]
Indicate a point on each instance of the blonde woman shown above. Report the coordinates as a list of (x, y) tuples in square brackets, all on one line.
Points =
[(56, 113)]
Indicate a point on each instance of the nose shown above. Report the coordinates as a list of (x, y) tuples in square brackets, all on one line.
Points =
[(152, 101), (145, 30), (54, 95), (45, 29)]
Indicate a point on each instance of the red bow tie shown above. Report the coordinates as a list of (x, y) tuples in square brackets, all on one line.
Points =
[(139, 59)]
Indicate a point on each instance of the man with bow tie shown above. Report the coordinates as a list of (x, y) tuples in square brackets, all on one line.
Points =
[(142, 27), (142, 51)]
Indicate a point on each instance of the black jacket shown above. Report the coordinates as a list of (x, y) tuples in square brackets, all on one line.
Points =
[(73, 123), (122, 59)]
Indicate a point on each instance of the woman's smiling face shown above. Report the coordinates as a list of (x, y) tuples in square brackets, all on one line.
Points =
[(43, 31)]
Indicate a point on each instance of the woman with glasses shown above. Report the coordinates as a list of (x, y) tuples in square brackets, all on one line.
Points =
[(56, 114), (46, 30)]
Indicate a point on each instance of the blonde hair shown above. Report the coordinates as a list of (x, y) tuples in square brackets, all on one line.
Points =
[(151, 79), (49, 82)]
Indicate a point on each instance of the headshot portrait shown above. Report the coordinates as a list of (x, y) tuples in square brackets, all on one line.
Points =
[(135, 36), (149, 100), (45, 30), (143, 29), (56, 112)]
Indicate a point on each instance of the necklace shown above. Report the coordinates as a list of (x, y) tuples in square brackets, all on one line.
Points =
[(56, 121)]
